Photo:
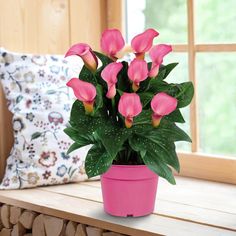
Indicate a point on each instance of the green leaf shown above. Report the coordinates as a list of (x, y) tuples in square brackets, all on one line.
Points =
[(75, 135), (99, 98), (175, 116), (73, 147), (168, 68), (185, 94), (104, 59), (143, 118), (87, 76), (164, 71), (159, 167), (123, 82), (112, 137), (97, 161), (169, 131), (157, 86), (36, 135), (145, 98), (161, 74), (144, 85), (85, 124), (164, 150)]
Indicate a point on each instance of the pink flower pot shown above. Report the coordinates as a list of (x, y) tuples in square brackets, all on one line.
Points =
[(129, 190)]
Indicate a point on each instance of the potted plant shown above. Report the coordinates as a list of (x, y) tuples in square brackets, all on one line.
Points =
[(127, 111)]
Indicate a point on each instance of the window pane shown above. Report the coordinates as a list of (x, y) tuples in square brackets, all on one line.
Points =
[(168, 17), (216, 76), (180, 75), (215, 21)]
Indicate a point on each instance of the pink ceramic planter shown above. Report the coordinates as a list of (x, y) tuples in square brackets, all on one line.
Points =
[(129, 190)]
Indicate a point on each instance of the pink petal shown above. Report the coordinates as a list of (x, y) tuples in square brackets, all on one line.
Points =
[(112, 42), (154, 70), (158, 52), (84, 91), (85, 52), (138, 71), (111, 93), (110, 72), (129, 105), (78, 49), (163, 104), (143, 42)]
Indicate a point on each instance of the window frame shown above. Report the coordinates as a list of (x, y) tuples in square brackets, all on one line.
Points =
[(193, 164)]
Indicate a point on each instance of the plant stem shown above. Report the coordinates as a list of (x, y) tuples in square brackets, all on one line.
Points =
[(113, 107)]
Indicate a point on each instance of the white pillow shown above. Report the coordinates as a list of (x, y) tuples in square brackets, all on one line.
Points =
[(35, 86)]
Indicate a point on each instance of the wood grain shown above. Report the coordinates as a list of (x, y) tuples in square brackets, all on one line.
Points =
[(209, 167), (116, 15), (91, 213), (87, 21), (15, 213), (189, 202), (192, 76), (38, 26), (5, 216), (38, 228)]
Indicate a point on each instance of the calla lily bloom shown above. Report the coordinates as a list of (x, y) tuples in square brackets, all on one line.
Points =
[(137, 72), (141, 43), (129, 106), (85, 52), (162, 104), (84, 92), (109, 74), (112, 42), (157, 54)]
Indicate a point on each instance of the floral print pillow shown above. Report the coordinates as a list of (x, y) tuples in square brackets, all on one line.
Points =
[(35, 87)]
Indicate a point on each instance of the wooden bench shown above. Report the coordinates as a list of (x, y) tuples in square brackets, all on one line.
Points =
[(192, 207)]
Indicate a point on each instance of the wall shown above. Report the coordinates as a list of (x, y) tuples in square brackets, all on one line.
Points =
[(45, 26)]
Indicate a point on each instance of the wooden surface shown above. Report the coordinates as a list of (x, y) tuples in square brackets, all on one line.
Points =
[(192, 76), (57, 24), (192, 207), (209, 167)]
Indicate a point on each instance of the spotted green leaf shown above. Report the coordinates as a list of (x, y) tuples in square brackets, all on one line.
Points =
[(97, 161)]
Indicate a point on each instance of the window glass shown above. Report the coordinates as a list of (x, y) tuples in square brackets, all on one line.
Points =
[(216, 77), (168, 17), (215, 21)]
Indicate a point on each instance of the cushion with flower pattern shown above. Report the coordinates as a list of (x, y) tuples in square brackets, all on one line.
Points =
[(35, 87)]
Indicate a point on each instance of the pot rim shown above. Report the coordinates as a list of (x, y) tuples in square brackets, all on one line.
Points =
[(128, 166), (129, 172)]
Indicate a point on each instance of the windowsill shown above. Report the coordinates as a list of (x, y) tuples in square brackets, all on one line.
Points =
[(192, 207)]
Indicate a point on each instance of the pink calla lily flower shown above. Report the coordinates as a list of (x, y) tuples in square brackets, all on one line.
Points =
[(129, 106), (137, 72), (112, 42), (109, 74), (162, 104), (84, 92), (157, 54), (141, 43), (85, 52)]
